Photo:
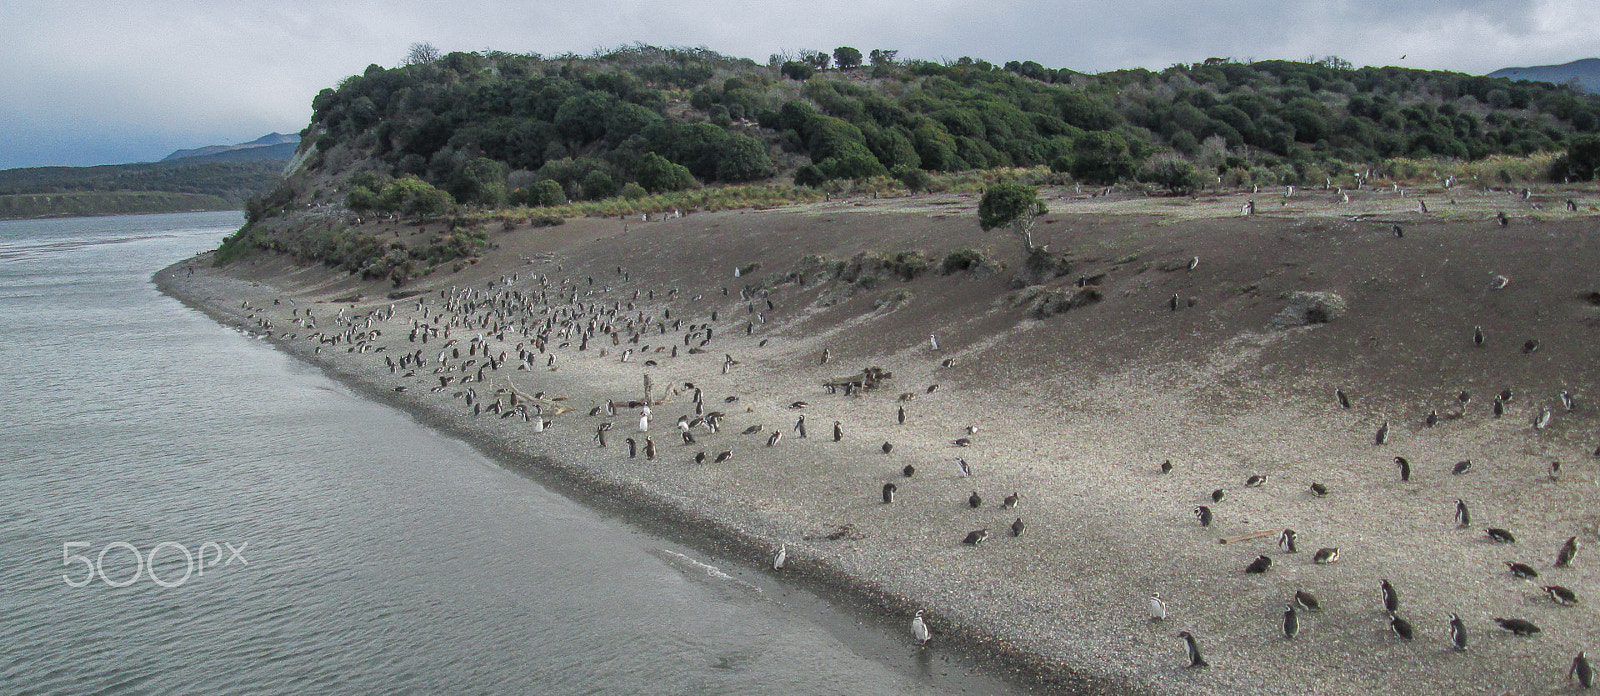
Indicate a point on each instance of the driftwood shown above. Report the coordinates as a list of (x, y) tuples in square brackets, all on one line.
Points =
[(1248, 537)]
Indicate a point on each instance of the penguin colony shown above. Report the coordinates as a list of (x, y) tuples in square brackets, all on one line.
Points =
[(469, 342)]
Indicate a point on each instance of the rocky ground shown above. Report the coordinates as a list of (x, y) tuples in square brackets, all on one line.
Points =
[(1081, 379)]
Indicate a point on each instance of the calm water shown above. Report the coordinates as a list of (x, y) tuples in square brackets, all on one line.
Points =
[(342, 548)]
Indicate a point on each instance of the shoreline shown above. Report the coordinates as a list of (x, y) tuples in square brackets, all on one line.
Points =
[(661, 515), (1092, 402)]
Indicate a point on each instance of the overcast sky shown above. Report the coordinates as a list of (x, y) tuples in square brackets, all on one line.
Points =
[(132, 80)]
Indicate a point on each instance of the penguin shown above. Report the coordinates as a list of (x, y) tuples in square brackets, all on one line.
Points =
[(1405, 468), (966, 469), (1158, 608), (1383, 434), (700, 457), (974, 537), (1286, 540), (1566, 400), (1193, 649), (633, 448), (1581, 671), (888, 447), (1010, 501), (1291, 622), (649, 449), (1344, 399), (722, 456), (1194, 262), (800, 426), (1530, 346), (1461, 467), (826, 354), (1398, 232), (1458, 632), (888, 493), (1522, 570), (974, 500), (1203, 515), (1499, 407), (1499, 282), (780, 557), (901, 415), (1568, 552), (1391, 598), (1017, 527), (774, 437), (1500, 535), (1258, 566), (1166, 467), (1307, 601), (1432, 419), (908, 471), (1520, 627), (752, 430), (1561, 595), (933, 342), (1172, 304), (919, 630), (1477, 336), (1555, 471), (1218, 495), (688, 437), (1463, 516), (1256, 481), (644, 423), (838, 432), (1318, 490), (1542, 421), (1401, 627), (1500, 216)]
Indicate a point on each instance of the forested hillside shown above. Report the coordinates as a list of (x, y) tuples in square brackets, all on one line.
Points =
[(489, 127), (134, 188)]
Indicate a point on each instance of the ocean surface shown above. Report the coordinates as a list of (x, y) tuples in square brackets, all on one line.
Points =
[(185, 510)]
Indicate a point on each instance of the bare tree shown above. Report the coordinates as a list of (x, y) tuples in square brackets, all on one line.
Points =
[(422, 53)]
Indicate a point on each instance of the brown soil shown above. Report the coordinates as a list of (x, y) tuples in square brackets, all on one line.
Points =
[(1076, 411)]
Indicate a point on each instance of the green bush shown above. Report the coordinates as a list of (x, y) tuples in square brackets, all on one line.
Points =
[(656, 174)]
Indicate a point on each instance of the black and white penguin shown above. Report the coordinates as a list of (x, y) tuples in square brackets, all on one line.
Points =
[(1307, 601), (700, 457), (1344, 399), (888, 447), (1286, 540), (1391, 598), (1166, 467), (919, 629), (779, 558), (1158, 608), (976, 536), (1500, 535), (1203, 515), (1561, 595), (1520, 627), (774, 438), (1318, 490), (1567, 401), (1017, 527), (1401, 627), (1218, 495), (901, 415), (1405, 468), (974, 500), (1256, 480), (649, 449), (1463, 515), (800, 426), (838, 432), (633, 448), (888, 493), (1522, 570), (1458, 632), (1260, 565), (1581, 671), (1192, 648), (723, 456), (1477, 336), (1383, 434), (966, 469), (908, 471), (1461, 467), (1432, 419), (1011, 501), (1567, 553), (1291, 622)]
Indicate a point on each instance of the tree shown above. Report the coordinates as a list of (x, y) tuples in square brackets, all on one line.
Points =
[(1014, 205), (422, 53), (657, 174), (743, 159), (799, 72), (880, 56), (1101, 157), (846, 57), (817, 60), (1581, 162)]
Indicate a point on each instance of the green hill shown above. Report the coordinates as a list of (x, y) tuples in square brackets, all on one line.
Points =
[(180, 185)]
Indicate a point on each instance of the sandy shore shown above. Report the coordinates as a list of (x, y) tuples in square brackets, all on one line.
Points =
[(1075, 413)]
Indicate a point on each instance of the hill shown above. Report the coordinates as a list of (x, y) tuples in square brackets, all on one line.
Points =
[(114, 189), (1586, 73), (270, 146)]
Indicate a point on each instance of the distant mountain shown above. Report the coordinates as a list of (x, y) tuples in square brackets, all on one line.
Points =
[(1586, 72), (270, 146)]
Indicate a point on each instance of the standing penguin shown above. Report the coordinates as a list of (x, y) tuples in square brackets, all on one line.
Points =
[(1193, 649), (779, 558), (800, 425), (1383, 434), (838, 432), (1291, 622), (888, 493), (1391, 599), (901, 415), (1158, 608), (1568, 552), (633, 448), (1405, 468), (649, 449), (1458, 632), (1286, 540), (1463, 516), (1581, 671), (919, 629)]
